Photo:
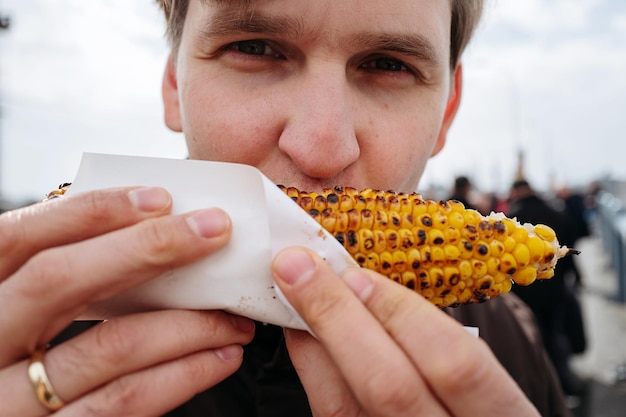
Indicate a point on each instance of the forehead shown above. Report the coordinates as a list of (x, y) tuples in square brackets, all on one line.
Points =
[(333, 19)]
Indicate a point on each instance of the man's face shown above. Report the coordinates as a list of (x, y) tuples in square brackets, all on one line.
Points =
[(316, 93)]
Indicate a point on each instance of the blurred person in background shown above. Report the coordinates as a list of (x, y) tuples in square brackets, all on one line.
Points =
[(555, 307), (574, 205), (461, 190)]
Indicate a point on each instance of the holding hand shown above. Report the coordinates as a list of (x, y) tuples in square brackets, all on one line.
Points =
[(59, 257), (383, 350)]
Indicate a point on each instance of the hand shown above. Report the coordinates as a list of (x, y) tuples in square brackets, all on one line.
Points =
[(383, 350), (60, 256)]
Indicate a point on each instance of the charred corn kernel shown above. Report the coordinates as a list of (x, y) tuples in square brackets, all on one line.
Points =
[(466, 248), (508, 264), (481, 250), (452, 234), (449, 254), (493, 265), (497, 248), (546, 274), (479, 268), (436, 237), (485, 230)]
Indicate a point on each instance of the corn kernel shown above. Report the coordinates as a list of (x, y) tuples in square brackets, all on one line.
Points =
[(545, 232), (525, 276)]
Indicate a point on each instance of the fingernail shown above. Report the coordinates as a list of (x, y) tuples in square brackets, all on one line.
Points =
[(209, 223), (360, 283), (242, 323), (229, 353), (293, 266), (150, 198)]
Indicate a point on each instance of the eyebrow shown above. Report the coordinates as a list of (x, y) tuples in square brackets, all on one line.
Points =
[(239, 16), (231, 20), (410, 44)]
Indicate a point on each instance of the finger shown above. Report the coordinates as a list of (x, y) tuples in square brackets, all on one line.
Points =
[(158, 389), (326, 389), (459, 367), (26, 231), (55, 285), (121, 346), (378, 372)]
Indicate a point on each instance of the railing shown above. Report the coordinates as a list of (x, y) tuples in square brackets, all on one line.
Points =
[(611, 222)]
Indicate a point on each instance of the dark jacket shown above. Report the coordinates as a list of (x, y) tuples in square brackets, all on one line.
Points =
[(267, 385)]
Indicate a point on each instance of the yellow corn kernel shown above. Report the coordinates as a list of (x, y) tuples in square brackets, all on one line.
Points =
[(545, 232), (508, 264), (509, 243), (520, 235), (536, 248), (525, 276), (465, 270), (521, 255), (496, 247)]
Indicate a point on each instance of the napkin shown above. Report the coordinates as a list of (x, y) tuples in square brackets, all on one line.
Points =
[(237, 278)]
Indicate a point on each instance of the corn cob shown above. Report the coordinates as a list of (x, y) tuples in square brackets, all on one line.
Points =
[(449, 254)]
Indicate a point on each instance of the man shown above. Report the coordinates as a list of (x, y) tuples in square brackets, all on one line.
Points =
[(315, 94)]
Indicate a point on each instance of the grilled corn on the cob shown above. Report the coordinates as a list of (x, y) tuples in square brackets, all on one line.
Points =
[(449, 254)]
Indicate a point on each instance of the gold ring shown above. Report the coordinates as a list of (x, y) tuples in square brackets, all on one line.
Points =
[(43, 388)]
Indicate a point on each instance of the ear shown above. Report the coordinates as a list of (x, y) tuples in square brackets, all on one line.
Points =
[(169, 91), (454, 100)]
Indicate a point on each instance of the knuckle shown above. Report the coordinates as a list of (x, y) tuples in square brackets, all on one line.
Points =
[(95, 205), (465, 367), (12, 231), (45, 270), (322, 308), (158, 242), (114, 342), (393, 396), (124, 392)]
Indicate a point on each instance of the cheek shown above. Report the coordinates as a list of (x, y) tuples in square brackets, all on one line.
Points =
[(404, 143), (221, 125)]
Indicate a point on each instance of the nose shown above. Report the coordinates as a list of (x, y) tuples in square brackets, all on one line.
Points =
[(320, 133)]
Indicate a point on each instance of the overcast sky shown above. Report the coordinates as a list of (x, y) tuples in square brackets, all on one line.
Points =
[(548, 76)]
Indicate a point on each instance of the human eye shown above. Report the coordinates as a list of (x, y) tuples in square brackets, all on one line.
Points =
[(389, 69), (384, 63), (256, 47)]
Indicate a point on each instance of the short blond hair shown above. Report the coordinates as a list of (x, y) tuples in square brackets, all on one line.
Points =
[(466, 15)]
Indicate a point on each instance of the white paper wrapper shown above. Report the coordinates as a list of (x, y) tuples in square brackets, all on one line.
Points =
[(237, 278)]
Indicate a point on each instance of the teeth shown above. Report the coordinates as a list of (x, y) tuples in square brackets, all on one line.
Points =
[(449, 254)]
